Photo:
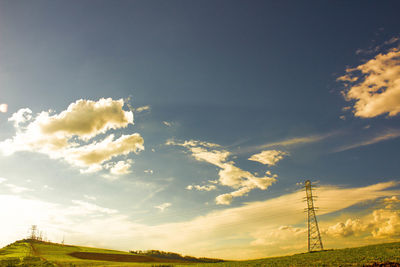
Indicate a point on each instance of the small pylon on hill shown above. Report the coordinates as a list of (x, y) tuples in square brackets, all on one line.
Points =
[(314, 237), (33, 234)]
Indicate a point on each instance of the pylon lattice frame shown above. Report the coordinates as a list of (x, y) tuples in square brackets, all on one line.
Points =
[(314, 237)]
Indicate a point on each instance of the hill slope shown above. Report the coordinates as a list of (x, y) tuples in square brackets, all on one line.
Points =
[(38, 253), (50, 254), (372, 255)]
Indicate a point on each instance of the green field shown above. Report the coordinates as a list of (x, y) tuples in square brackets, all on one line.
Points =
[(360, 256), (36, 253)]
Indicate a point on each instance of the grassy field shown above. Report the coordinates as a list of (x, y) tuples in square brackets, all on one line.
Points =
[(35, 253), (360, 256)]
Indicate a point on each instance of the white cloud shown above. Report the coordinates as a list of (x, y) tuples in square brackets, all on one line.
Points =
[(148, 171), (143, 108), (86, 118), (243, 181), (214, 156), (168, 124), (229, 174), (201, 187), (121, 167), (99, 152), (348, 228), (83, 207), (3, 108), (386, 224), (21, 116), (380, 224), (375, 86), (163, 207), (63, 135), (269, 157), (224, 199)]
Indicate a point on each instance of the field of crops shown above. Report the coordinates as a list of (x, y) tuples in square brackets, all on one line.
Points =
[(36, 253)]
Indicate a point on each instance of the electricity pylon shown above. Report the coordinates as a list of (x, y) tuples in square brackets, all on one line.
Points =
[(33, 232), (314, 237)]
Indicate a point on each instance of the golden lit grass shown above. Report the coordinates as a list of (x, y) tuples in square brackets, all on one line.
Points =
[(58, 254), (360, 256)]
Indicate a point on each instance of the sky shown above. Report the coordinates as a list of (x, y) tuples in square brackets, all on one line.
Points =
[(191, 126)]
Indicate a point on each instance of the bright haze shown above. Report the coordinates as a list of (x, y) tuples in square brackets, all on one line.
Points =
[(191, 126)]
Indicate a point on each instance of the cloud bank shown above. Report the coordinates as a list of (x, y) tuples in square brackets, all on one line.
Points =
[(255, 229)]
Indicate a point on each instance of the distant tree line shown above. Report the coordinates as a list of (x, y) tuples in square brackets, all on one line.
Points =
[(172, 255)]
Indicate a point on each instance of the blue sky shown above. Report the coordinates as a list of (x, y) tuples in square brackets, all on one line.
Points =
[(161, 104)]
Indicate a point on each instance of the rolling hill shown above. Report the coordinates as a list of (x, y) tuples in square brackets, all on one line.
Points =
[(38, 253)]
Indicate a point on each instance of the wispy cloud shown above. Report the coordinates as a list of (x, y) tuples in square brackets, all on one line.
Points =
[(269, 157), (163, 207), (229, 175), (84, 207), (387, 135), (167, 123), (295, 141), (143, 108), (286, 143)]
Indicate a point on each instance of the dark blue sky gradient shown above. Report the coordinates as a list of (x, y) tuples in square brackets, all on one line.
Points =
[(236, 73)]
